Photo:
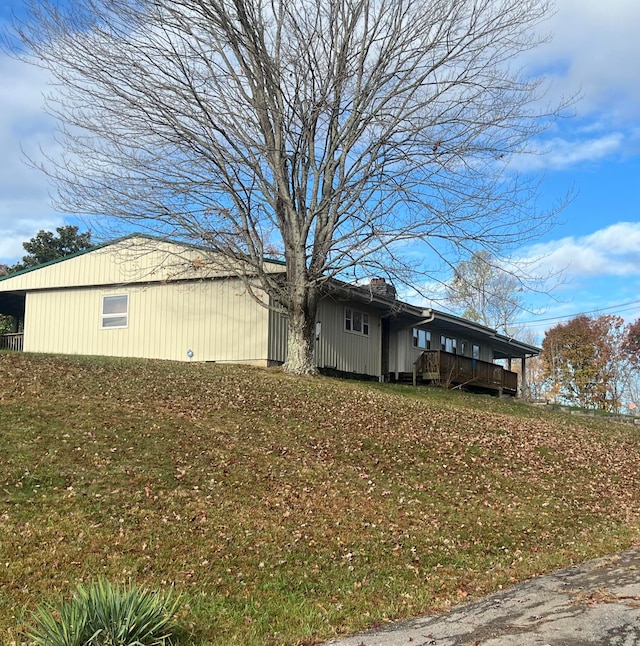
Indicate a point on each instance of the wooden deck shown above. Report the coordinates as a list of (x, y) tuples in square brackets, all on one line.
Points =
[(13, 342), (452, 370)]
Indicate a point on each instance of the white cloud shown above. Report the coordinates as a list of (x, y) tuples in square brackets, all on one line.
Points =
[(595, 49), (612, 251), (593, 53), (559, 154), (24, 128)]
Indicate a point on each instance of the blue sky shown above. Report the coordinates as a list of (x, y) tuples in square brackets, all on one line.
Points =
[(595, 50)]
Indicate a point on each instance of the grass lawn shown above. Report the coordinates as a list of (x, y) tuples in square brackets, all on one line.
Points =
[(288, 510)]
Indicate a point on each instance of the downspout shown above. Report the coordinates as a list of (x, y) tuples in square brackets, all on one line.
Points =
[(429, 317), (381, 349)]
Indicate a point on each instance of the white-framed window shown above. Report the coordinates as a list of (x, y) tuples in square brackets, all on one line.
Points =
[(421, 339), (476, 351), (356, 321), (448, 344), (115, 311)]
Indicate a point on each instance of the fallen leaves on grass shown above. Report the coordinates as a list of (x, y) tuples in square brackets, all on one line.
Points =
[(290, 508)]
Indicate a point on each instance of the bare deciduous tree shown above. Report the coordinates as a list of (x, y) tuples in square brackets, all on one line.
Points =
[(351, 136), (486, 292)]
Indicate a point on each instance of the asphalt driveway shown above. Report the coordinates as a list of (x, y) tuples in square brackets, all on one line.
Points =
[(594, 603)]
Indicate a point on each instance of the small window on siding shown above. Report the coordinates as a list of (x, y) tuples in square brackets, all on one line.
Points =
[(348, 320), (476, 351), (421, 339), (448, 344), (355, 321), (115, 311)]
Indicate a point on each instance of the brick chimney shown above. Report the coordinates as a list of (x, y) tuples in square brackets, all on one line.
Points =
[(380, 287)]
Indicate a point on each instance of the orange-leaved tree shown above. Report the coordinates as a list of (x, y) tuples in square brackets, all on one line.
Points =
[(586, 360)]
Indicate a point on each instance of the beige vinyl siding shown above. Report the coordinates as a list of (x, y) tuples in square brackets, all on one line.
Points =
[(217, 320), (134, 260), (338, 349)]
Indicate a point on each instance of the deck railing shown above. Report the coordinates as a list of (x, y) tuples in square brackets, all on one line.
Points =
[(455, 370), (13, 342)]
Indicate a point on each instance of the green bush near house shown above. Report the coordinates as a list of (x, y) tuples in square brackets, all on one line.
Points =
[(105, 615)]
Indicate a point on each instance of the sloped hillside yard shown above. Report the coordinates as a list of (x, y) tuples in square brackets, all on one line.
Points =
[(288, 510)]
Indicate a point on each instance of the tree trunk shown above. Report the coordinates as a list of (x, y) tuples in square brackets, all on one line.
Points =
[(301, 340)]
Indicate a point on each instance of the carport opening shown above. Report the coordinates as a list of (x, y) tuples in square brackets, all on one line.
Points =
[(12, 310)]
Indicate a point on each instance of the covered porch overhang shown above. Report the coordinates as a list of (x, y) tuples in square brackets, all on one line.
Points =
[(12, 304), (503, 347), (466, 369)]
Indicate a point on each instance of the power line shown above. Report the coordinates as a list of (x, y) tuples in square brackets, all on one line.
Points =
[(621, 307)]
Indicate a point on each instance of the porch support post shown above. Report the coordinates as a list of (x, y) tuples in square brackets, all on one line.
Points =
[(524, 389)]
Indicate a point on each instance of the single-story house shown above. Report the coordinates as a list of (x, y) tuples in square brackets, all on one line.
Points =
[(144, 297)]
